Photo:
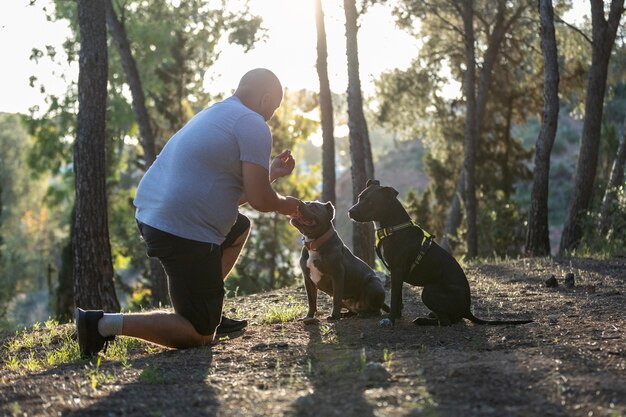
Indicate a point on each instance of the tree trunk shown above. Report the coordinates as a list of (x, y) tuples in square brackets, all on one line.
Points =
[(64, 298), (495, 39), (362, 164), (158, 280), (603, 34), (538, 233), (326, 110), (93, 268), (455, 215), (469, 161), (615, 181), (118, 32), (507, 182)]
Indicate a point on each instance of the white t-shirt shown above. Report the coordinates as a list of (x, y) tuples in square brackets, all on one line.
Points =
[(193, 188)]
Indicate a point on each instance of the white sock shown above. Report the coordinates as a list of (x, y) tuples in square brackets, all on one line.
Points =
[(110, 324)]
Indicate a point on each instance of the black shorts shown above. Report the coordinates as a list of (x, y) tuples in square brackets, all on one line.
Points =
[(194, 273)]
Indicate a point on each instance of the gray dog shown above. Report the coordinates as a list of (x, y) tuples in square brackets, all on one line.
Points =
[(329, 265)]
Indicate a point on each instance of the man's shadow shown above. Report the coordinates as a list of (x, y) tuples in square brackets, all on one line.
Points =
[(169, 382)]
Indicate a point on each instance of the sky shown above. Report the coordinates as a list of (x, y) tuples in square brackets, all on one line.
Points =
[(290, 50)]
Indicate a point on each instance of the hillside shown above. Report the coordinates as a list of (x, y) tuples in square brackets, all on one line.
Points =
[(400, 167), (570, 362)]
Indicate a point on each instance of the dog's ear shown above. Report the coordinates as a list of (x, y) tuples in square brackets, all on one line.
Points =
[(331, 209), (392, 191), (372, 182)]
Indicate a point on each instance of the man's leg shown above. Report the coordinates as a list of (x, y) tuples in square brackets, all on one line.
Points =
[(196, 291), (231, 249), (164, 328), (234, 243), (96, 328)]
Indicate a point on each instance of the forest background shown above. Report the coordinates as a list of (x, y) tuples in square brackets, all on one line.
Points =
[(415, 105)]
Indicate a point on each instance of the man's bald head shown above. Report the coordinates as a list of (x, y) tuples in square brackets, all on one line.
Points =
[(260, 90)]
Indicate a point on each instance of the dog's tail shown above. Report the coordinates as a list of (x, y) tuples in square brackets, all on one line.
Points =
[(476, 320), (386, 308)]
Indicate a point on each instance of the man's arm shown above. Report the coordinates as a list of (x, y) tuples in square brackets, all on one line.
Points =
[(281, 166), (261, 195)]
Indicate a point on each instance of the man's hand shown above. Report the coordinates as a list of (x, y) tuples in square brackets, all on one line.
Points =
[(282, 165), (289, 207), (259, 192)]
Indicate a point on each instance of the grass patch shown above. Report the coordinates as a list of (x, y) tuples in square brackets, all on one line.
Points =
[(284, 312), (152, 375), (44, 344), (96, 375), (122, 346)]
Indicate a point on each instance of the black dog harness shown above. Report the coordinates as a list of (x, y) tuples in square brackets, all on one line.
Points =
[(384, 232)]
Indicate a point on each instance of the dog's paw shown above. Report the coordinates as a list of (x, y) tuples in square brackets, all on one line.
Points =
[(349, 314), (309, 320), (386, 322)]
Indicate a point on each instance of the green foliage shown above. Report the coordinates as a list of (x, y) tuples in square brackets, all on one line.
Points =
[(502, 227), (614, 243), (27, 230), (411, 102)]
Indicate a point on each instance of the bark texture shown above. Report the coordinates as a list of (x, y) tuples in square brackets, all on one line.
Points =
[(93, 268), (361, 154), (538, 233), (603, 35), (469, 160)]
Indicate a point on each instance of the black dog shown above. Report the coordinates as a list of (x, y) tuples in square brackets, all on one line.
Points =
[(329, 265), (412, 256)]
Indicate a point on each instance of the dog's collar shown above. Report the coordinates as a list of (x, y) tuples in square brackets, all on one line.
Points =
[(383, 232), (316, 244)]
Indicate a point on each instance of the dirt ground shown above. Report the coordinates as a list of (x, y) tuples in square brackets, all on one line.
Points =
[(570, 362)]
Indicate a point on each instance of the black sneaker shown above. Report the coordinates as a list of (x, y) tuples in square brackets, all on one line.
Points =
[(231, 325), (90, 340)]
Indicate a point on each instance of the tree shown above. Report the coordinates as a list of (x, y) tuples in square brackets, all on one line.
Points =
[(93, 268), (471, 128), (326, 109), (537, 238), (362, 164), (14, 187), (468, 35), (616, 181), (158, 280), (603, 35)]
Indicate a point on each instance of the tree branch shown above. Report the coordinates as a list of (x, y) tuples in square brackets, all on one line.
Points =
[(574, 28)]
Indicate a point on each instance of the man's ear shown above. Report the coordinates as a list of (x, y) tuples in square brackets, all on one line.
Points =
[(392, 191), (331, 209), (372, 182)]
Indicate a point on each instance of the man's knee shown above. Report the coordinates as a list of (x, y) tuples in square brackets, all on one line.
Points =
[(238, 233), (243, 222)]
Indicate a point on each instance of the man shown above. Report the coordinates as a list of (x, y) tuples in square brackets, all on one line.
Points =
[(187, 212)]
